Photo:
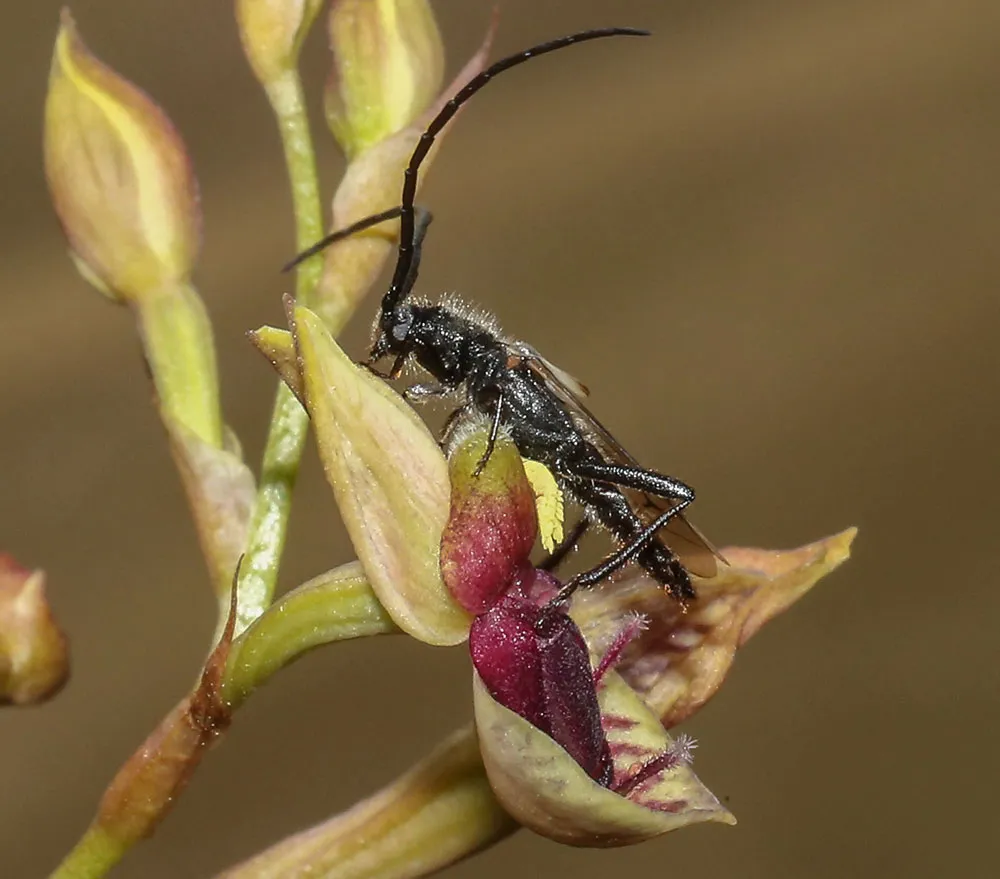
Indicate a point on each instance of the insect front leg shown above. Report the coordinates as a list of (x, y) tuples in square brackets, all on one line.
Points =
[(494, 432), (422, 391), (454, 422), (395, 372)]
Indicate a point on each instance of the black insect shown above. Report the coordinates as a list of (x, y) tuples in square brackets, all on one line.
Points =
[(539, 405)]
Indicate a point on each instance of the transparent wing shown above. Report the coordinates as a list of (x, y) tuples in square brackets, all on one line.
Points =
[(694, 550)]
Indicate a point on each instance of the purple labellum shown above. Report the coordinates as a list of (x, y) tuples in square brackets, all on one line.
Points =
[(534, 661)]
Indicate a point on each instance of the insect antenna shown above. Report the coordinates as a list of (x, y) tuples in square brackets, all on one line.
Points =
[(346, 232), (402, 278)]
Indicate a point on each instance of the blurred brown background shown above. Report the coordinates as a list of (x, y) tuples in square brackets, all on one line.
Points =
[(766, 239)]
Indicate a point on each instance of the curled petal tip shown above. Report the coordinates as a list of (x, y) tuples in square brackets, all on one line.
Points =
[(546, 790)]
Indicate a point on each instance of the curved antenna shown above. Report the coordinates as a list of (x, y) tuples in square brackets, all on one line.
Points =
[(404, 256), (346, 232)]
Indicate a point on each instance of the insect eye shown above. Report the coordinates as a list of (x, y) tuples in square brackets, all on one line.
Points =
[(399, 328)]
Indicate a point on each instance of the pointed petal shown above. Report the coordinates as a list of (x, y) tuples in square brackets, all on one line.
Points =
[(390, 479), (681, 659)]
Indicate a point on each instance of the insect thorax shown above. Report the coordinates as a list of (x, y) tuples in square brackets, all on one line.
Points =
[(453, 348)]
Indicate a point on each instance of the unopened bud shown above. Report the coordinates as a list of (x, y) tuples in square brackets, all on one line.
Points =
[(272, 32), (119, 176), (388, 68), (34, 659)]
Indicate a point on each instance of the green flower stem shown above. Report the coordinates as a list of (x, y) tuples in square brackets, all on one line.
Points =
[(94, 855), (439, 812), (177, 339), (335, 606), (289, 422)]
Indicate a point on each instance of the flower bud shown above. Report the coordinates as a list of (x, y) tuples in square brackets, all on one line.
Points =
[(371, 184), (388, 67), (119, 176), (34, 660), (272, 32), (492, 524), (390, 480)]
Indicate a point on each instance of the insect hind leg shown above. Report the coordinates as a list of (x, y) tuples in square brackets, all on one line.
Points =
[(620, 558), (608, 505), (638, 478)]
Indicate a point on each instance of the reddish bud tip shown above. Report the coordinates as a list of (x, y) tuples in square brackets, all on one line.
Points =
[(34, 661), (492, 524)]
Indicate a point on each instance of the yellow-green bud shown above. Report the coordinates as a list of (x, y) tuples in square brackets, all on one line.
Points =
[(272, 32), (120, 178), (34, 660), (388, 68)]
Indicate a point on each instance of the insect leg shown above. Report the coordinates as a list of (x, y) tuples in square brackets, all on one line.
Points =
[(395, 372), (608, 505), (494, 432), (638, 478), (621, 557), (566, 546), (424, 391), (454, 422)]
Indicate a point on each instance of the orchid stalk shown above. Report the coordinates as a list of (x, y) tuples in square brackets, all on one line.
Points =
[(571, 705)]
